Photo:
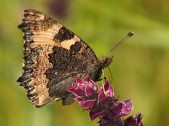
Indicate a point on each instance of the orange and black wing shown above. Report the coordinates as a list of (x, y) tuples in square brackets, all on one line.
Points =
[(53, 58)]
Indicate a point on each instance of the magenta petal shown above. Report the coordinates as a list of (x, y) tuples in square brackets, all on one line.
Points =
[(96, 113), (101, 96), (121, 109), (83, 87), (109, 92), (90, 82), (128, 104), (87, 103), (88, 91), (90, 87), (76, 91)]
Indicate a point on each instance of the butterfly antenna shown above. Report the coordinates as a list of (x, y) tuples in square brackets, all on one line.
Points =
[(120, 42)]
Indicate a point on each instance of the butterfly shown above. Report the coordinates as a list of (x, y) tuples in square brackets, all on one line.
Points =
[(53, 58)]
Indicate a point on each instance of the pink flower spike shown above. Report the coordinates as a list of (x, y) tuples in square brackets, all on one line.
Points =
[(100, 102)]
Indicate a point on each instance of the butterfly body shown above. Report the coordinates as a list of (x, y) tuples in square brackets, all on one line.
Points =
[(53, 58)]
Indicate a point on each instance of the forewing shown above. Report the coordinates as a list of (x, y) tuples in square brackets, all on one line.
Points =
[(53, 57)]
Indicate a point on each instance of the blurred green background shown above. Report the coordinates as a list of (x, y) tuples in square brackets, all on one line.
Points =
[(140, 67)]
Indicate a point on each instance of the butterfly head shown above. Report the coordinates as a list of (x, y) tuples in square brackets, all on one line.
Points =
[(106, 61)]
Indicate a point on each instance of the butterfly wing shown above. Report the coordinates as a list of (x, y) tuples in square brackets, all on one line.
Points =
[(53, 58)]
